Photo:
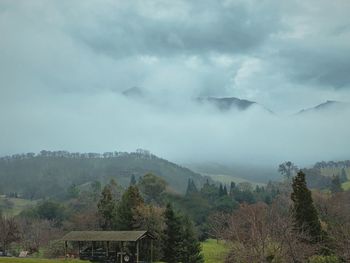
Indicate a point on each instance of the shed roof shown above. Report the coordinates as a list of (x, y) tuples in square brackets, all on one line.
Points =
[(105, 235)]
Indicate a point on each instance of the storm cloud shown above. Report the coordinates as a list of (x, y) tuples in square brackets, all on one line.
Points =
[(64, 65)]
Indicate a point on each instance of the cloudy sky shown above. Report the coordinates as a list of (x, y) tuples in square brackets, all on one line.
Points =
[(64, 65)]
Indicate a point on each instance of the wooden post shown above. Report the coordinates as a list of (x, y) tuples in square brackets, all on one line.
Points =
[(107, 249), (92, 249), (79, 248), (137, 251), (121, 252), (65, 249)]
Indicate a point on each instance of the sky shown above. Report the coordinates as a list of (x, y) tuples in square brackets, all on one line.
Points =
[(64, 65)]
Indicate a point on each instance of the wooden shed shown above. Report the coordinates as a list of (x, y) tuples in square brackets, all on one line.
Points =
[(111, 246)]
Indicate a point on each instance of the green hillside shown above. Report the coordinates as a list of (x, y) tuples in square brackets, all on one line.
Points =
[(14, 206), (330, 171), (49, 174)]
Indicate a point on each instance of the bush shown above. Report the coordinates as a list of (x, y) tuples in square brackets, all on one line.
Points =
[(55, 249), (324, 259)]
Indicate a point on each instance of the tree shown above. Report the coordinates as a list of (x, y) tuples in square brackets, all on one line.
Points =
[(51, 210), (221, 190), (304, 212), (152, 187), (151, 218), (336, 185), (232, 188), (95, 190), (9, 232), (191, 247), (287, 169), (343, 176), (73, 191), (191, 187), (225, 190), (107, 209), (172, 236), (132, 180), (131, 199)]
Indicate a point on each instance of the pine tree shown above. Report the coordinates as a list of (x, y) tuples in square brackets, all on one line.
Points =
[(131, 199), (172, 236), (191, 247), (225, 190), (336, 185), (107, 209), (191, 187), (132, 180), (232, 188), (304, 212), (343, 176), (221, 191)]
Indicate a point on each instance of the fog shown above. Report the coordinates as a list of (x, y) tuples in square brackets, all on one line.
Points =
[(65, 64)]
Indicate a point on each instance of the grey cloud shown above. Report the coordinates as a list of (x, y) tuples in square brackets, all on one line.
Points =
[(326, 66), (64, 65), (200, 27)]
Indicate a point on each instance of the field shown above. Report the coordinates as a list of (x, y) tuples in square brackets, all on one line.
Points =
[(346, 185), (36, 260), (227, 179), (334, 171), (14, 206), (213, 253)]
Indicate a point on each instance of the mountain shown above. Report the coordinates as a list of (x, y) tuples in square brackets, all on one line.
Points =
[(229, 103), (49, 174), (326, 106), (226, 104), (134, 92)]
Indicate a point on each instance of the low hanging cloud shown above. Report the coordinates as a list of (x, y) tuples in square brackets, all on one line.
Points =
[(65, 64)]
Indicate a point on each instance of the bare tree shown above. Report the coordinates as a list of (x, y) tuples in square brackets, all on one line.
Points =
[(287, 169), (217, 225), (9, 232)]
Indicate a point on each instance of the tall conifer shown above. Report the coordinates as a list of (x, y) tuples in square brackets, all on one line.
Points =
[(304, 212)]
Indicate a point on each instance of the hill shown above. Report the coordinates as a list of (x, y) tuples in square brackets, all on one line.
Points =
[(50, 174), (225, 104), (325, 106)]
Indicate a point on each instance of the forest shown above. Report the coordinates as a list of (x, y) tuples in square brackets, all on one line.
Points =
[(303, 217)]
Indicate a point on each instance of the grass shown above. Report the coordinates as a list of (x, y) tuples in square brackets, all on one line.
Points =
[(18, 205), (214, 252), (37, 260), (346, 185), (227, 179), (334, 171)]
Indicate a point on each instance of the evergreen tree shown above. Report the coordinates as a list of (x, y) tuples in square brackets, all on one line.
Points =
[(221, 190), (172, 236), (95, 190), (191, 187), (191, 247), (304, 212), (225, 190), (132, 180), (107, 209), (131, 199), (232, 188), (336, 185), (343, 176), (152, 187), (73, 191)]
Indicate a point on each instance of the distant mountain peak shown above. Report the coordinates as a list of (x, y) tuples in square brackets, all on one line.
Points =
[(135, 92), (227, 103), (327, 105)]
